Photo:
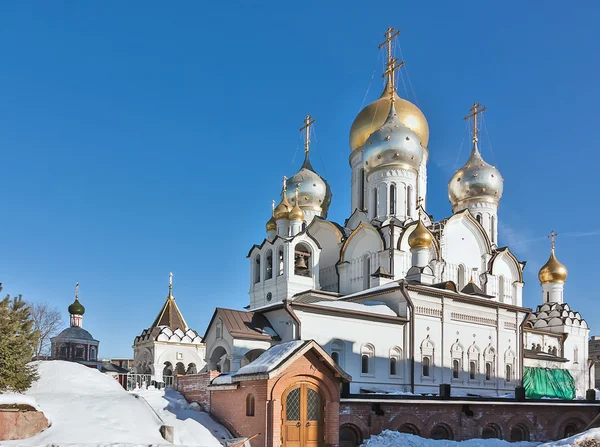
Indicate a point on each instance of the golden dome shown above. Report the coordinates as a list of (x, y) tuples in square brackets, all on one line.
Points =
[(374, 115), (296, 213), (553, 271), (282, 210), (421, 237), (271, 224)]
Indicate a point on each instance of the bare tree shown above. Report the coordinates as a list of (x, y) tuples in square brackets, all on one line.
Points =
[(47, 320)]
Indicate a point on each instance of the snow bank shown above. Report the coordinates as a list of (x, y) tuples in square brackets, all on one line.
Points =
[(393, 439), (378, 309), (18, 399), (192, 427), (269, 359), (588, 438), (86, 407)]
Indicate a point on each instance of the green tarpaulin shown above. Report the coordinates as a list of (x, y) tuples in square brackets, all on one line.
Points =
[(546, 382)]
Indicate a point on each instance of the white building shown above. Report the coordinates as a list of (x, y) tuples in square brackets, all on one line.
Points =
[(168, 347), (401, 301)]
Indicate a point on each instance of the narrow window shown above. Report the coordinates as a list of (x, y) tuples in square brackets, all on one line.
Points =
[(393, 362), (409, 204), (547, 296), (250, 405), (365, 364), (501, 288), (472, 370), (336, 357), (257, 270), (426, 367), (478, 217), (576, 355), (375, 204), (455, 369), (493, 228), (366, 271), (392, 199), (269, 271), (362, 189), (488, 371), (219, 334), (280, 262), (461, 276), (508, 373)]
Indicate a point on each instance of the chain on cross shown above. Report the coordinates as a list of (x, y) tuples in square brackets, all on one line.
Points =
[(308, 122), (476, 110)]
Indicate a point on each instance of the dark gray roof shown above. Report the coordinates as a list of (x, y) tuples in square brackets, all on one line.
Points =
[(75, 332)]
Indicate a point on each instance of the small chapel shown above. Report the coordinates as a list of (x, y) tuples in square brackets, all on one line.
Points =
[(74, 343), (393, 302)]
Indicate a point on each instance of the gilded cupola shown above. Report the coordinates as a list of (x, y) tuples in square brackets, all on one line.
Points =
[(393, 144), (552, 271), (296, 213), (421, 237), (314, 193), (477, 180), (282, 210), (272, 223), (374, 115)]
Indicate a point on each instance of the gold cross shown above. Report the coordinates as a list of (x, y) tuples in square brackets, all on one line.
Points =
[(77, 290), (308, 121), (273, 207), (552, 237), (170, 279), (392, 63), (476, 111), (419, 203), (284, 183)]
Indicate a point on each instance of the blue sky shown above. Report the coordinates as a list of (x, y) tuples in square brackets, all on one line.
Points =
[(139, 138)]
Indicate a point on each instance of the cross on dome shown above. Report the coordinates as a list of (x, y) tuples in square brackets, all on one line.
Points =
[(476, 110), (392, 63), (552, 238), (308, 122)]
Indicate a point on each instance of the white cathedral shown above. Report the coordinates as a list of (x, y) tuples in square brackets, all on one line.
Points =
[(402, 302)]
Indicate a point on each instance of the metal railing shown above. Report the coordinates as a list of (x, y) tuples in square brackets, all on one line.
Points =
[(143, 381)]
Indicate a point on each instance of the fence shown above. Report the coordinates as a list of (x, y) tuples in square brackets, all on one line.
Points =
[(143, 381)]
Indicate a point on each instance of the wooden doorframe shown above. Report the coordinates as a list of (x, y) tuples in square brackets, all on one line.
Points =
[(304, 427)]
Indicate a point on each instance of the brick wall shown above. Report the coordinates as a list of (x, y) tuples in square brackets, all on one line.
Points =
[(194, 387), (542, 422)]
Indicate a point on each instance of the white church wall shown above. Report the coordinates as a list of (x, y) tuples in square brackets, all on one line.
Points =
[(463, 244), (357, 338), (285, 326)]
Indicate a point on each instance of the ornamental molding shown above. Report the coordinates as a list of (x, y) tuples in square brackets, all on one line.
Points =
[(473, 319), (428, 311)]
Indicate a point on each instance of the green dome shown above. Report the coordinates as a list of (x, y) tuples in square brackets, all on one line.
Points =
[(76, 308)]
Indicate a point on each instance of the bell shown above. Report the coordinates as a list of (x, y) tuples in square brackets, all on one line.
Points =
[(301, 263)]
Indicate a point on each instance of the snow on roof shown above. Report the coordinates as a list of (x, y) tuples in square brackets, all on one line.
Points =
[(18, 399), (379, 309), (390, 438), (271, 358), (222, 379), (389, 285)]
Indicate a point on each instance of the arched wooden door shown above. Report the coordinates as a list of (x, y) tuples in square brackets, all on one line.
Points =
[(302, 416)]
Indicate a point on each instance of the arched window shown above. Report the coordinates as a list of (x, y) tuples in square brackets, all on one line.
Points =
[(79, 351), (508, 373), (366, 271), (570, 430), (350, 436), (493, 229), (337, 352), (392, 199), (280, 261), (302, 260), (409, 428), (455, 368), (250, 405), (478, 217), (168, 369), (367, 366), (269, 266), (219, 331), (501, 288), (375, 202), (257, 269), (488, 371), (461, 277), (395, 357), (191, 369), (409, 204), (361, 202), (472, 370), (519, 433), (426, 366), (440, 432), (490, 432), (180, 369), (92, 353)]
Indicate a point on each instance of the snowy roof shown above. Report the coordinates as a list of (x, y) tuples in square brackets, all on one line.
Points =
[(270, 361), (271, 358), (75, 333), (378, 309), (245, 325), (381, 288)]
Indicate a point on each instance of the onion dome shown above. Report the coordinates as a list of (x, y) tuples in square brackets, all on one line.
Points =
[(76, 308), (475, 181), (393, 144), (314, 193), (272, 223), (421, 237), (283, 209), (374, 115), (552, 271), (296, 213)]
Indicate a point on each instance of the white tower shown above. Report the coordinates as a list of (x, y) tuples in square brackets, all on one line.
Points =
[(478, 186), (552, 277)]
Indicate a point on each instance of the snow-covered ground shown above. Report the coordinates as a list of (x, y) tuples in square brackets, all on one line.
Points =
[(192, 427), (590, 438), (88, 408)]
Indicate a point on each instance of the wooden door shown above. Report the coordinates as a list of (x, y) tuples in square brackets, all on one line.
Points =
[(302, 417)]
